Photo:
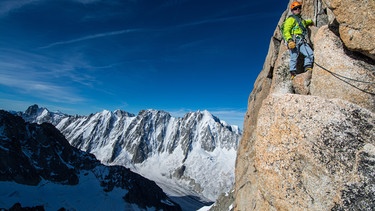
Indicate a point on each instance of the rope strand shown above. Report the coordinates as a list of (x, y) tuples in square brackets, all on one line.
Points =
[(367, 82)]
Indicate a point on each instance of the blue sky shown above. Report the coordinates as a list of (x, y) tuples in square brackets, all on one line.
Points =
[(84, 56)]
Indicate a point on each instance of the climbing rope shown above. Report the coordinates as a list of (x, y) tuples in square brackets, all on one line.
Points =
[(341, 76)]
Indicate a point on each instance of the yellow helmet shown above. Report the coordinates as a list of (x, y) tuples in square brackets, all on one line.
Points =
[(295, 4)]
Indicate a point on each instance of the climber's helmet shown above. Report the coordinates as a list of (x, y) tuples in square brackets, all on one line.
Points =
[(295, 5)]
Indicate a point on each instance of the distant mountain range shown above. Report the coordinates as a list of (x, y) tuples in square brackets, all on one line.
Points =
[(189, 156), (40, 170)]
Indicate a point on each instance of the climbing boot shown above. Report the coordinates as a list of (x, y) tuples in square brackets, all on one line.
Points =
[(308, 68), (292, 74)]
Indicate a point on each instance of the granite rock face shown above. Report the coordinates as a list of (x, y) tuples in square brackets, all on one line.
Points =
[(308, 144), (339, 73), (356, 21), (310, 151)]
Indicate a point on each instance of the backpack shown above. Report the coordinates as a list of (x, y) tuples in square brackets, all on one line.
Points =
[(299, 21)]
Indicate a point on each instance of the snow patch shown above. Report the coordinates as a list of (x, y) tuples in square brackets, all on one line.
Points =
[(87, 195)]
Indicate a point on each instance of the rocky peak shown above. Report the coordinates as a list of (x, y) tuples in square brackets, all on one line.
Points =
[(32, 110), (309, 144), (121, 113), (36, 114), (30, 153)]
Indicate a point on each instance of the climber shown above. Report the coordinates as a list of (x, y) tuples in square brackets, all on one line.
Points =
[(294, 32)]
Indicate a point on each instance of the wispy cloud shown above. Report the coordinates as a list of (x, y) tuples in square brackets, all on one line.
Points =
[(41, 77), (87, 1), (90, 37), (7, 6), (171, 3), (37, 65), (39, 88), (226, 19)]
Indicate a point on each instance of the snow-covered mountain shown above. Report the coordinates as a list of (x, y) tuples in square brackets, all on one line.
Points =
[(189, 156), (40, 170)]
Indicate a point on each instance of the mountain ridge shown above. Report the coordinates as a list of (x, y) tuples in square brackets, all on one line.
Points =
[(155, 138), (38, 155)]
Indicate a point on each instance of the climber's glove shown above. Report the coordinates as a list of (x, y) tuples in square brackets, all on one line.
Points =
[(291, 44)]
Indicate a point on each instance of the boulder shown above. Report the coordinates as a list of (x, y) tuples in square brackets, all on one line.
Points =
[(356, 21)]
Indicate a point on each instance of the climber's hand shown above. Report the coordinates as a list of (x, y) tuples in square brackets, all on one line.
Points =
[(291, 44)]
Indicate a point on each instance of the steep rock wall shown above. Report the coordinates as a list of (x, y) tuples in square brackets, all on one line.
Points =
[(309, 144), (356, 24)]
